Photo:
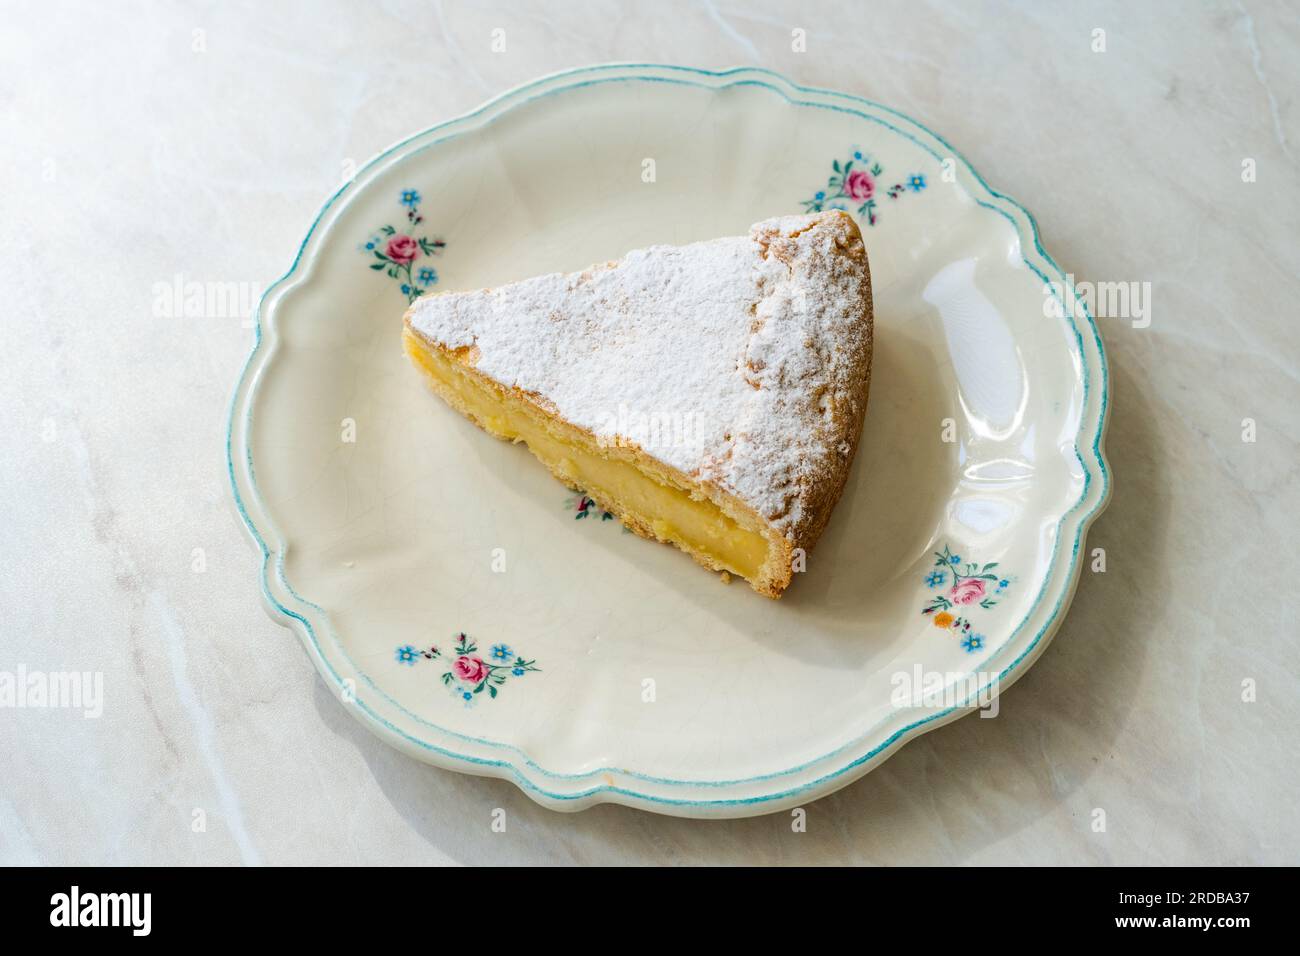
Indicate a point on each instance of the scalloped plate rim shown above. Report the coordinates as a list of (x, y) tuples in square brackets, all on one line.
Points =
[(608, 790)]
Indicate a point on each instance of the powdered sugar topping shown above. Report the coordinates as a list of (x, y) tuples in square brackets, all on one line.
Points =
[(736, 360)]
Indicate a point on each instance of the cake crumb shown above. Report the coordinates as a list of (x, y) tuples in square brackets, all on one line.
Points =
[(726, 578)]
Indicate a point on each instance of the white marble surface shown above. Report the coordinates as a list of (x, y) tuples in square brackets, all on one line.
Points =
[(130, 158)]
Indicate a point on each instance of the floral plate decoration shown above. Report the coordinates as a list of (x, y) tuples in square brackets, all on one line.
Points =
[(398, 249), (583, 506), (467, 674), (972, 585), (854, 185)]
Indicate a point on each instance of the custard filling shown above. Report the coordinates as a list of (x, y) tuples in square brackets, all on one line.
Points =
[(693, 524)]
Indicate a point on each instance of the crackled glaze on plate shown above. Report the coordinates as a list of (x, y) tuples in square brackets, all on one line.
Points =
[(439, 579)]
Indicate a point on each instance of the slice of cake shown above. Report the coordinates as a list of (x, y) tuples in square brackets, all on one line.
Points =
[(709, 395)]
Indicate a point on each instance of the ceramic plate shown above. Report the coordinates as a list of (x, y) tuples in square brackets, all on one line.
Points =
[(477, 615)]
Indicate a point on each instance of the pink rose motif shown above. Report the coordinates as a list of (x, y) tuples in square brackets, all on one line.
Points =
[(469, 669), (402, 249), (859, 185), (968, 591)]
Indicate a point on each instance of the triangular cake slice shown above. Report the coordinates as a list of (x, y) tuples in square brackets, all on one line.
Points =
[(710, 395)]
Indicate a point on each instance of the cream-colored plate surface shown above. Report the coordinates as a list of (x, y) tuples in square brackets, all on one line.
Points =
[(609, 668)]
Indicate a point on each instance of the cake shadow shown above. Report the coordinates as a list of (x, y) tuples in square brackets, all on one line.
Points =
[(899, 482)]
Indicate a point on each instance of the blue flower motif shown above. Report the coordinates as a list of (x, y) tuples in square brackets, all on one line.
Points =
[(916, 183), (820, 195), (954, 559), (410, 198), (518, 672), (407, 655), (857, 155), (461, 692), (935, 578), (427, 276), (972, 642), (370, 245), (406, 289), (501, 652), (1004, 584)]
